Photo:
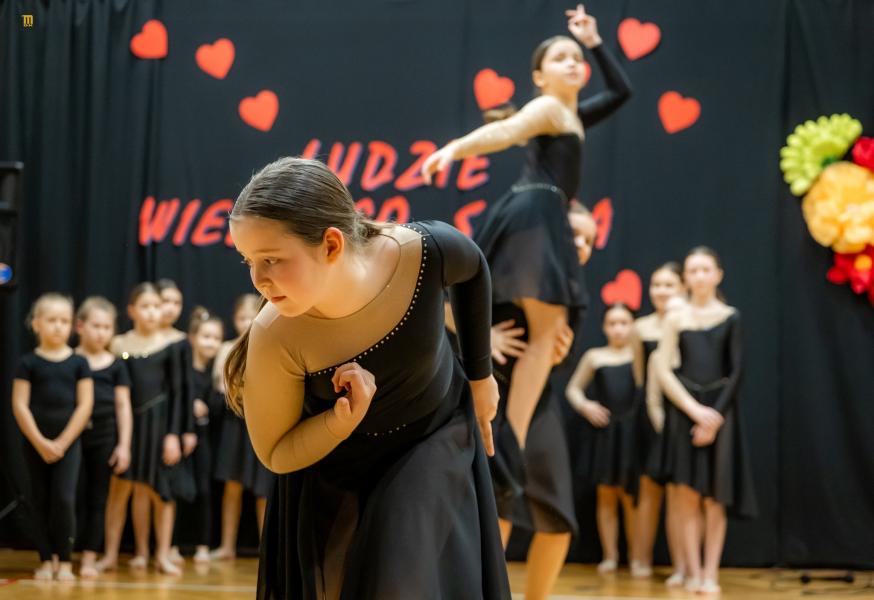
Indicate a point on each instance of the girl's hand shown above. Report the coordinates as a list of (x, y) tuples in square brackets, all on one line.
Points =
[(51, 451), (506, 342), (200, 409), (703, 436), (189, 443), (360, 388), (485, 405), (583, 27), (563, 343), (440, 160), (707, 417), (595, 413), (120, 459), (172, 452)]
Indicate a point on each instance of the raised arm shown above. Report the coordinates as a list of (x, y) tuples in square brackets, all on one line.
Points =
[(596, 108)]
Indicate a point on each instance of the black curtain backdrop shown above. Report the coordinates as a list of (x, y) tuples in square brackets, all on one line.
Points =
[(131, 165)]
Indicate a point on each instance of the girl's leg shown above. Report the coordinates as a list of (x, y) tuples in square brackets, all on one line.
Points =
[(140, 509), (260, 512), (116, 515), (545, 559), (62, 509), (673, 527), (714, 539), (532, 368), (608, 527), (689, 516), (232, 505), (629, 521), (649, 506), (165, 515), (506, 528)]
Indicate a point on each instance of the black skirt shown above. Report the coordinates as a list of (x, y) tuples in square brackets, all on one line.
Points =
[(235, 458)]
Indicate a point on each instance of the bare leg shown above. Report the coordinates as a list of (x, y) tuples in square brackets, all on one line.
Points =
[(532, 368), (114, 520), (608, 526), (629, 520), (674, 528), (506, 529), (140, 512), (714, 538), (232, 506), (546, 556), (649, 505), (165, 515), (689, 505), (260, 511)]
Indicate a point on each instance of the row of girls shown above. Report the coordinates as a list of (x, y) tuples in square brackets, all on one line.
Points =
[(661, 397), (137, 418)]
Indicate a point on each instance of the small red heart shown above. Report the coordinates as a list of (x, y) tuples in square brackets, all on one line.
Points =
[(678, 113), (260, 112), (151, 42), (638, 39), (625, 288), (491, 89), (587, 72), (603, 215), (216, 59)]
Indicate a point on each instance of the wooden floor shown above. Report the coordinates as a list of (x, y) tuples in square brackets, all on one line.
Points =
[(236, 580)]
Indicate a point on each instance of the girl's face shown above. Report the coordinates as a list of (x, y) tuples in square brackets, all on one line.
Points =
[(585, 230), (243, 318), (207, 340), (96, 330), (561, 70), (702, 275), (53, 323), (291, 274), (664, 285), (146, 312), (171, 306), (618, 323)]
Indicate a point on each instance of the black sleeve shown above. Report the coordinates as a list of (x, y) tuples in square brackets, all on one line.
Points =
[(600, 106), (83, 369), (729, 392), (174, 368), (466, 275), (120, 376), (24, 370)]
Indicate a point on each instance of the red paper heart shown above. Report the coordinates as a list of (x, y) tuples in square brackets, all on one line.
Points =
[(625, 288), (603, 215), (678, 113), (491, 89), (638, 39), (151, 42), (587, 72), (216, 59), (260, 112)]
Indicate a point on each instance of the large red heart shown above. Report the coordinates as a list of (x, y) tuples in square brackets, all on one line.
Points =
[(491, 89), (678, 113), (638, 39), (260, 112), (216, 59), (625, 288), (151, 41), (603, 215)]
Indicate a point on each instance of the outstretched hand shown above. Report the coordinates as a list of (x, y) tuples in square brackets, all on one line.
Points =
[(440, 160)]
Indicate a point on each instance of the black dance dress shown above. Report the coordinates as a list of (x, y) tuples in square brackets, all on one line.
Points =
[(649, 442), (615, 459), (406, 501), (235, 458), (529, 245), (710, 370), (158, 400)]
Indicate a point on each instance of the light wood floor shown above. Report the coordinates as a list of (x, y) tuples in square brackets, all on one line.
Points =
[(236, 581)]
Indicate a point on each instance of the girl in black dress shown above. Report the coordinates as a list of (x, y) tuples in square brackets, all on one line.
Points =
[(529, 244), (704, 454), (665, 284), (606, 389), (155, 367), (205, 335), (235, 461), (351, 392), (52, 397), (107, 438)]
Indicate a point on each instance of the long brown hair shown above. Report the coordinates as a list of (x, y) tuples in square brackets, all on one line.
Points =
[(307, 198)]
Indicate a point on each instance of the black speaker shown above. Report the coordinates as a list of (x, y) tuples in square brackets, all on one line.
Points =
[(10, 202)]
